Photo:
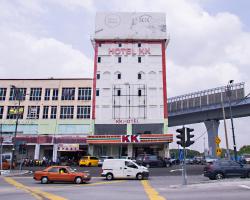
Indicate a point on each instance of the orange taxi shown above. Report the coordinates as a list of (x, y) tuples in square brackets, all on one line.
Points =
[(61, 174)]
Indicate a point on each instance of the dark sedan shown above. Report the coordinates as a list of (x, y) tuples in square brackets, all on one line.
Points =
[(148, 160), (226, 168)]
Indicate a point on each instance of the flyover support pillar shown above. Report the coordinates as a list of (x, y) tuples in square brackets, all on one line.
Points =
[(212, 127)]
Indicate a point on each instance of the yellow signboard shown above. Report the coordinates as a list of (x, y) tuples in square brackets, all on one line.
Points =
[(218, 151), (217, 140)]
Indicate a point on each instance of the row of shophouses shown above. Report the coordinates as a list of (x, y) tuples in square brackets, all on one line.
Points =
[(52, 118)]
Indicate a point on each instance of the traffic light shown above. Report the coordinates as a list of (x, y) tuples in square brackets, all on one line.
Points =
[(181, 136), (189, 142)]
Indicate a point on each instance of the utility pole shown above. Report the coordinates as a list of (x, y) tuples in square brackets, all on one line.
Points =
[(18, 97), (1, 148), (225, 128), (229, 94)]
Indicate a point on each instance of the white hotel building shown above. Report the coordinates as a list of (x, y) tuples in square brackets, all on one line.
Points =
[(130, 103)]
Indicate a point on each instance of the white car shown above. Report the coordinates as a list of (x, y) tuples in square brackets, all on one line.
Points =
[(210, 159), (123, 168)]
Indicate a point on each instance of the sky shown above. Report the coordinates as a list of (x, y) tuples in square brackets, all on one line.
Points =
[(209, 44)]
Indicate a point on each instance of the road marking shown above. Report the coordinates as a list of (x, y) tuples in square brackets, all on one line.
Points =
[(38, 194), (151, 192), (175, 170), (245, 186), (102, 183)]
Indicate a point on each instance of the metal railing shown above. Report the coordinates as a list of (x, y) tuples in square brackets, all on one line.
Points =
[(206, 98)]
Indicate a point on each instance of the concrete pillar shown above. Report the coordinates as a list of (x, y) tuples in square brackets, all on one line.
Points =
[(54, 156), (37, 152), (91, 149), (212, 127), (130, 150), (165, 126), (166, 151)]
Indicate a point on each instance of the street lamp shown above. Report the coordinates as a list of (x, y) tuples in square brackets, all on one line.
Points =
[(17, 95), (229, 94)]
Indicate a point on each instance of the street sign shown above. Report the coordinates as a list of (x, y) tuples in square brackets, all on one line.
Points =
[(218, 151), (217, 140)]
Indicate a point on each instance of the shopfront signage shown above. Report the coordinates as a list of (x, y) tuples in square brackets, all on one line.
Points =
[(130, 138), (68, 147), (127, 121), (129, 51)]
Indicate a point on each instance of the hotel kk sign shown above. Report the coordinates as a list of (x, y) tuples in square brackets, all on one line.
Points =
[(129, 51)]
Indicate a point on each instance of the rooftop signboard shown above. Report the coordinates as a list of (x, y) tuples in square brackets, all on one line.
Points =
[(125, 25)]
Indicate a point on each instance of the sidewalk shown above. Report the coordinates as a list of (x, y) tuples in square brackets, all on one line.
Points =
[(13, 172)]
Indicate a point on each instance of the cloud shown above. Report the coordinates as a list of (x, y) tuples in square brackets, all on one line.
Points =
[(75, 4), (26, 56)]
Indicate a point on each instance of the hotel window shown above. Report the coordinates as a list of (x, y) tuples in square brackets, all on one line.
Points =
[(98, 76), (55, 94), (139, 92), (139, 76), (139, 44), (53, 112), (14, 94), (3, 94), (13, 111), (119, 59), (67, 112), (118, 92), (119, 76), (84, 93), (97, 92), (119, 45), (1, 112), (83, 112), (68, 94), (33, 112), (100, 44), (35, 94), (45, 112), (99, 59), (139, 59), (47, 94)]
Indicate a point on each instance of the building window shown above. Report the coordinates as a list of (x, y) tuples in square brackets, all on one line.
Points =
[(139, 76), (119, 92), (119, 76), (35, 94), (83, 112), (55, 94), (119, 45), (14, 92), (68, 94), (67, 112), (97, 92), (139, 59), (47, 94), (53, 112), (45, 112), (33, 112), (1, 112), (99, 59), (84, 93), (139, 44), (13, 111), (98, 76), (119, 59), (100, 44), (139, 92), (3, 94)]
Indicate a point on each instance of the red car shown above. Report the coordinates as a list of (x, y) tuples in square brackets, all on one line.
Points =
[(61, 174)]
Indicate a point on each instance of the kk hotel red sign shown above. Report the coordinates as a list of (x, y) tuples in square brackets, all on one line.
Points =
[(129, 51), (130, 138)]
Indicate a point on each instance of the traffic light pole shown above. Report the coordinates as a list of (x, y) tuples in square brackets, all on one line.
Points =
[(184, 169)]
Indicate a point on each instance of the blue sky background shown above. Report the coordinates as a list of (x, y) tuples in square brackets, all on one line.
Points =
[(209, 43)]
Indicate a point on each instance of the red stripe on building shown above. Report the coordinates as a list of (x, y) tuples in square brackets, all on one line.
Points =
[(164, 80)]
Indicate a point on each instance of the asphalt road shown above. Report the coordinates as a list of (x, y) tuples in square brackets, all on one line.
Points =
[(175, 170), (156, 188)]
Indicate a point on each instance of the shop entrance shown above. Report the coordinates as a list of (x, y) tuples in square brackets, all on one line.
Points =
[(143, 149)]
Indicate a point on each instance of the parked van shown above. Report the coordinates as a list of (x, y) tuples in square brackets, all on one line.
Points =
[(123, 168)]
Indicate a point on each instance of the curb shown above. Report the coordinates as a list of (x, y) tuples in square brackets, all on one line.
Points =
[(19, 173)]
